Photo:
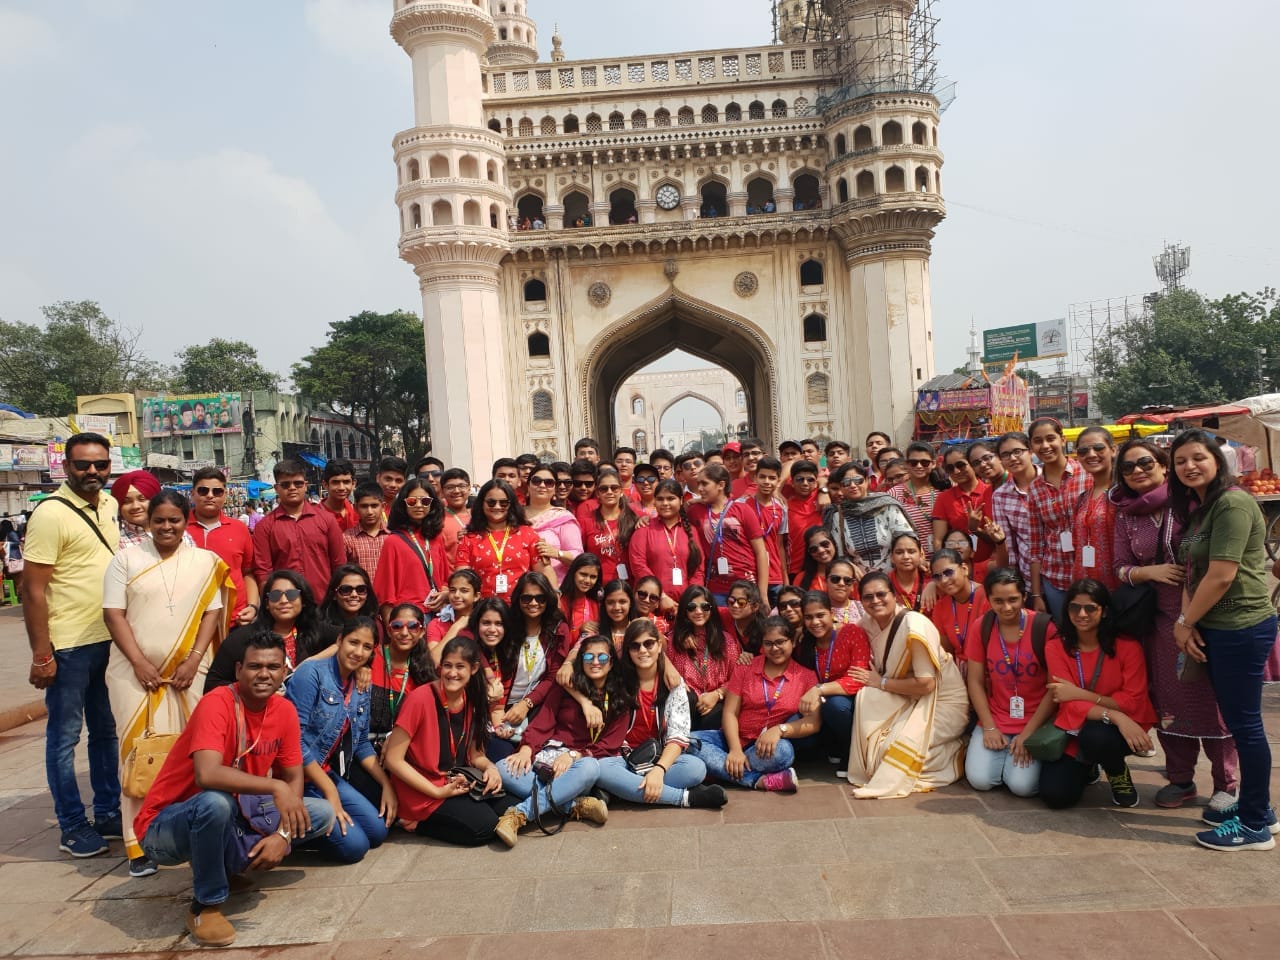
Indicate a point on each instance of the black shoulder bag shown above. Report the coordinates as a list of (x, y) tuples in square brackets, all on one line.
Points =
[(1133, 607)]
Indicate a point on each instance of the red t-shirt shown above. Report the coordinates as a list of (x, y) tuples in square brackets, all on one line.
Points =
[(1020, 674), (601, 538), (1123, 678), (955, 619), (347, 517), (401, 577), (849, 647), (273, 739), (513, 553), (726, 536), (773, 518), (644, 722), (951, 506), (749, 683), (658, 552), (233, 543), (419, 717), (743, 486), (802, 513)]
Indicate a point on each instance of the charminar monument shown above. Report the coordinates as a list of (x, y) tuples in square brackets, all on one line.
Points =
[(769, 209)]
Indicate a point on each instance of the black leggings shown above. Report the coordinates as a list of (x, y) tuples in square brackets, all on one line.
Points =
[(465, 822), (711, 721), (1062, 781)]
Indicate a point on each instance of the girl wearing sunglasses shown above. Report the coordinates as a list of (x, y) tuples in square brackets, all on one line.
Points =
[(414, 565), (965, 506), (649, 597), (819, 550), (538, 645), (918, 496), (572, 749), (1099, 682), (742, 619), (790, 602), (499, 543), (842, 587), (606, 530), (659, 721), (703, 655), (349, 595), (959, 602), (1093, 522), (561, 536), (402, 665)]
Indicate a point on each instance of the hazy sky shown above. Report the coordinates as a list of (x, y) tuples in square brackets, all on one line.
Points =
[(226, 169)]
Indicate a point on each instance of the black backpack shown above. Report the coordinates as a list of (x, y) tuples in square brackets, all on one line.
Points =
[(1039, 630)]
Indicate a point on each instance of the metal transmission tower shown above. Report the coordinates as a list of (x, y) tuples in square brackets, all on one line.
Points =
[(1172, 264)]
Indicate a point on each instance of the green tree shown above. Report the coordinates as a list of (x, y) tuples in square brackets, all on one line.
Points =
[(79, 350), (372, 372), (222, 365), (1188, 350)]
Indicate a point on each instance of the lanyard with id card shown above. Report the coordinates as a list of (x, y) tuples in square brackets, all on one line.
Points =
[(1017, 705), (722, 562)]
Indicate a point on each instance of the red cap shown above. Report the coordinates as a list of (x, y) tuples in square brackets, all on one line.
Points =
[(733, 446)]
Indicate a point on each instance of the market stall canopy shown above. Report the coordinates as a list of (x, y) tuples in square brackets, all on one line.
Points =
[(1194, 413), (1258, 426)]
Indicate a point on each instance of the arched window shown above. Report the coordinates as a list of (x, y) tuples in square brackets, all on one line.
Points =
[(891, 134), (415, 170), (715, 199), (502, 33), (756, 110), (640, 440), (526, 127), (495, 216), (593, 123), (529, 207), (662, 118), (548, 126), (895, 180), (842, 190), (733, 113), (802, 107), (815, 328), (639, 120), (760, 196), (442, 213), (862, 138), (637, 406), (495, 125), (866, 184), (571, 124), (438, 165), (922, 179), (807, 196), (811, 274), (817, 390), (577, 209), (491, 171), (469, 168), (415, 217), (740, 399), (842, 145), (622, 206), (685, 116), (710, 114), (539, 346), (535, 291), (920, 133), (541, 405), (779, 109), (471, 213), (617, 121), (328, 445)]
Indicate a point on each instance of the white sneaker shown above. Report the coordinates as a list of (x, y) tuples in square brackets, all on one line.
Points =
[(1222, 800)]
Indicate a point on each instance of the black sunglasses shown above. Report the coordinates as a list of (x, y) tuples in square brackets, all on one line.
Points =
[(1142, 463), (102, 466)]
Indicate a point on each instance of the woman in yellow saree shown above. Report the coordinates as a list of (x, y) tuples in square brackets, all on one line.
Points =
[(911, 713), (165, 603)]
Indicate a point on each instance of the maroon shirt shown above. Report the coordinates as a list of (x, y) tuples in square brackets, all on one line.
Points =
[(310, 545)]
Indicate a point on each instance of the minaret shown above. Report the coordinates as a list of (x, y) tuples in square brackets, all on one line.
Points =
[(557, 46), (517, 35), (884, 176), (454, 205)]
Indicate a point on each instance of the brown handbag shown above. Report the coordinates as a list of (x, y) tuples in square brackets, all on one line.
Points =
[(149, 751)]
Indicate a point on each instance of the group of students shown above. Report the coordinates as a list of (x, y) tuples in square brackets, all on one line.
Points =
[(579, 633)]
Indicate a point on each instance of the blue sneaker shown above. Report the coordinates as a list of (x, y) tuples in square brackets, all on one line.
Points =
[(110, 828), (1216, 818), (82, 841), (1234, 835)]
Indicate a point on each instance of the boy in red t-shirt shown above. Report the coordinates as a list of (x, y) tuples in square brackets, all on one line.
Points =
[(237, 738), (773, 516)]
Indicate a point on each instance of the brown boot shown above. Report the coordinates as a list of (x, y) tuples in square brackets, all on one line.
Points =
[(509, 825), (210, 928), (592, 809)]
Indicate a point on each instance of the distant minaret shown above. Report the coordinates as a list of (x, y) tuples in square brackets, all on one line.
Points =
[(517, 35), (975, 352)]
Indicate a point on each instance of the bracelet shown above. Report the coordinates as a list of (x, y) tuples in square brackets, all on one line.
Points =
[(1037, 596), (661, 767), (1098, 702), (43, 663), (883, 681), (254, 605), (529, 702), (198, 654), (991, 729)]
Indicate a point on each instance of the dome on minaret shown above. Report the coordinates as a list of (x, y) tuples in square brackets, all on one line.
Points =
[(800, 21), (557, 46), (517, 34)]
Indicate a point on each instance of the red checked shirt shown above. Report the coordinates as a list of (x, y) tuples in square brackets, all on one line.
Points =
[(231, 541), (365, 548), (1052, 509), (1009, 507)]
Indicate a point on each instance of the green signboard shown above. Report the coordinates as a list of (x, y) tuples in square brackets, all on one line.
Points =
[(1028, 341)]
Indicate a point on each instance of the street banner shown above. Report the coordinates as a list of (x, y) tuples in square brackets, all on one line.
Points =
[(188, 414)]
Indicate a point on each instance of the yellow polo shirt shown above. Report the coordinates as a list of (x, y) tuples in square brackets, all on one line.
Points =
[(55, 536)]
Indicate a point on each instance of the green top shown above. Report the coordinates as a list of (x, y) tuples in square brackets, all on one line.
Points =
[(1231, 529)]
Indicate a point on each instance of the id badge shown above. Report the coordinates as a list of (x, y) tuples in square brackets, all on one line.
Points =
[(677, 577), (622, 571), (500, 583), (1088, 556), (722, 567), (1017, 708), (1064, 541)]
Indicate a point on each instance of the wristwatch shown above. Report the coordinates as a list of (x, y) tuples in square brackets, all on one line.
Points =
[(574, 755), (785, 728), (285, 833), (1182, 621), (823, 490)]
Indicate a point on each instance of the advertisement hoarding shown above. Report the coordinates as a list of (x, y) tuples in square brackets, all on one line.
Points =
[(1026, 341), (188, 414)]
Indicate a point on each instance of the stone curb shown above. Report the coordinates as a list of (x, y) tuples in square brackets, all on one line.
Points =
[(12, 717)]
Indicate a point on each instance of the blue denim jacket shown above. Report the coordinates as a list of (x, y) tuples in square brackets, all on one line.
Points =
[(316, 691)]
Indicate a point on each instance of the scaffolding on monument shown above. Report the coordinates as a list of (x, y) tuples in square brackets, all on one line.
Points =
[(1094, 322), (868, 55)]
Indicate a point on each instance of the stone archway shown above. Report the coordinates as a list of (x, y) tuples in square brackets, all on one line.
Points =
[(678, 321)]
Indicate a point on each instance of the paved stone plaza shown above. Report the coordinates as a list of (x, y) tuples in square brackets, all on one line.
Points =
[(817, 874)]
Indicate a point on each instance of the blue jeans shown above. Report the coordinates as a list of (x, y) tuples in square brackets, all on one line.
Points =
[(1055, 599), (564, 789), (200, 831), (714, 750), (367, 830), (987, 769), (77, 698), (1236, 661), (686, 772), (837, 726)]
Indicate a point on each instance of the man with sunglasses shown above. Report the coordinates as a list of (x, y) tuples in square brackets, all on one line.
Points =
[(431, 470), (582, 499), (211, 529), (71, 538), (297, 535)]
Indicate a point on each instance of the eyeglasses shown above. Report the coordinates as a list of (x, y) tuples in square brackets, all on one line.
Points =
[(347, 589), (645, 479), (532, 599), (608, 488), (698, 606), (456, 488), (600, 658), (957, 467), (803, 478), (542, 482), (876, 597), (583, 484), (1142, 463), (1090, 448), (838, 580), (647, 597), (291, 484), (497, 504), (920, 463), (788, 604), (1013, 454), (775, 644), (893, 479), (853, 480), (983, 460), (418, 501), (643, 644), (211, 491), (946, 574), (739, 602), (405, 624), (1088, 609), (102, 466), (275, 596), (820, 545)]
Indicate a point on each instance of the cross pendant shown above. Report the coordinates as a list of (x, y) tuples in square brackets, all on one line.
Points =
[(171, 608)]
